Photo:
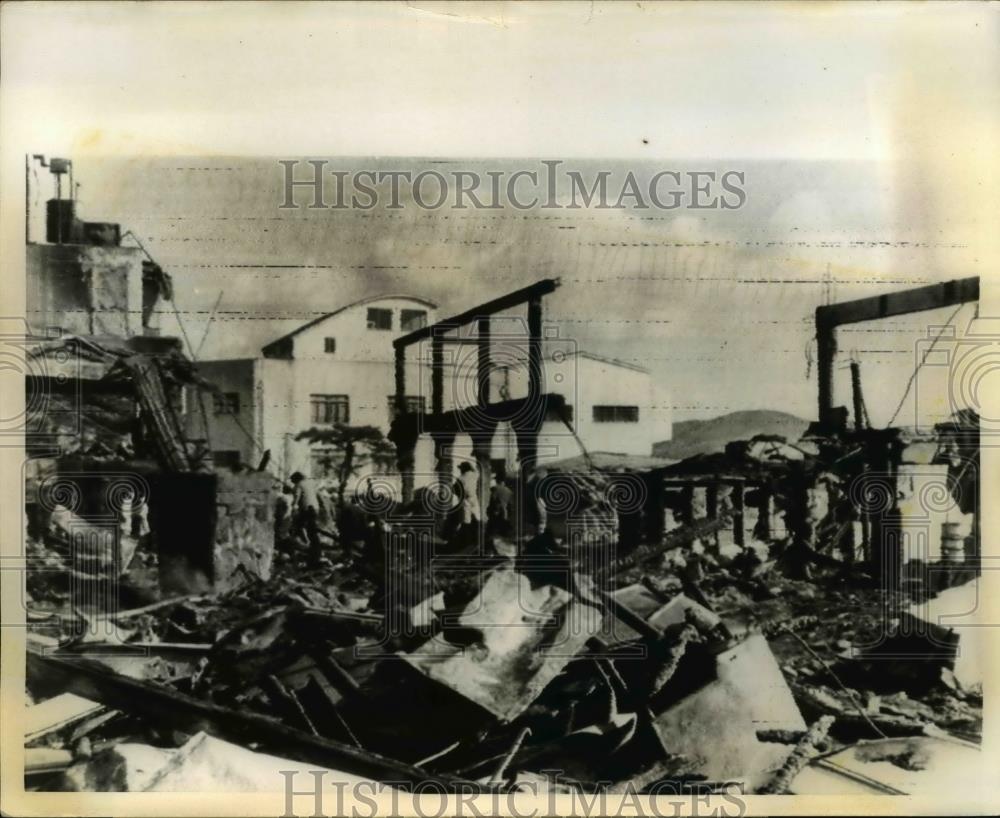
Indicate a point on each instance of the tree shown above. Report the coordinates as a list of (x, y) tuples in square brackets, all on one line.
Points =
[(354, 447)]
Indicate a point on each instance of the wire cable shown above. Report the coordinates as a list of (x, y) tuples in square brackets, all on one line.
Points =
[(923, 360)]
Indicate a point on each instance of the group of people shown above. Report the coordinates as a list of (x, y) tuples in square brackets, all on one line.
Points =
[(305, 516), (466, 521), (467, 513)]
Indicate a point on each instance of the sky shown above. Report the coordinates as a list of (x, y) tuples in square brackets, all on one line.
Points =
[(867, 135)]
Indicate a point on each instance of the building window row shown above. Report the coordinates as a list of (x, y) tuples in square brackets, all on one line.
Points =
[(414, 404), (616, 414), (380, 318), (328, 409)]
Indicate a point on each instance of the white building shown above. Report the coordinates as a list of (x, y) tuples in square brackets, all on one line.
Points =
[(614, 407), (336, 369), (340, 369)]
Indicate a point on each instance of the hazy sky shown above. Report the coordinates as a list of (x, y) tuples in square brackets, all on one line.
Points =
[(717, 304), (868, 135)]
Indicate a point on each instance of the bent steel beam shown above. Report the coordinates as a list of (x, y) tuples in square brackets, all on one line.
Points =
[(904, 302)]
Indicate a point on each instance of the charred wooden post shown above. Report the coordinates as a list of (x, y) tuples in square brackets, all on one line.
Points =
[(857, 398), (483, 374), (437, 374), (536, 385), (739, 530), (405, 444)]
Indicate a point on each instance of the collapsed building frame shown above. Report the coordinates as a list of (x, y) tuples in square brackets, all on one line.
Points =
[(481, 420), (902, 302)]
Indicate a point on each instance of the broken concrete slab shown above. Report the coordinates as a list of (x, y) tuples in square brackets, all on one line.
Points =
[(955, 609), (716, 726), (205, 763), (56, 713), (524, 637), (202, 764), (126, 767), (649, 605)]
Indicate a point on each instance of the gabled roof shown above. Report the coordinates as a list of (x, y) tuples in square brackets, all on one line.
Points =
[(358, 303), (612, 361)]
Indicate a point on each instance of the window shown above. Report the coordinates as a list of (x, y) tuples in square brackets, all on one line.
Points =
[(329, 344), (616, 414), (410, 320), (330, 408), (227, 403), (413, 403), (379, 318)]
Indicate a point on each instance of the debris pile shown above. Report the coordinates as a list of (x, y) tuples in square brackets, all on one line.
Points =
[(530, 668), (744, 618)]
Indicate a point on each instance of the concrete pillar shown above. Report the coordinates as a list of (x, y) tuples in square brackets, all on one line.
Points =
[(713, 495), (685, 512), (437, 375), (739, 529), (405, 457), (444, 445), (483, 363), (826, 352), (536, 383), (527, 453), (482, 444)]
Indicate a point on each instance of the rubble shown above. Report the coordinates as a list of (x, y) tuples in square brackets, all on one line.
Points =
[(525, 665), (201, 764), (717, 724), (914, 765), (521, 639), (728, 626), (538, 686)]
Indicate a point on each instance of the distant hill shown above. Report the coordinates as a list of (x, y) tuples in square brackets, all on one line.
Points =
[(693, 437)]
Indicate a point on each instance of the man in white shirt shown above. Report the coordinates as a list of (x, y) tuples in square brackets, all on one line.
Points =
[(467, 489)]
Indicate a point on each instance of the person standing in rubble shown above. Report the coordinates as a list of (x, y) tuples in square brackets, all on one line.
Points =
[(501, 507), (283, 514), (305, 510), (467, 489)]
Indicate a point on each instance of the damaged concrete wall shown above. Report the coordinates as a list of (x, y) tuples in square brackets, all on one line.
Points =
[(244, 528), (85, 290), (213, 531)]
